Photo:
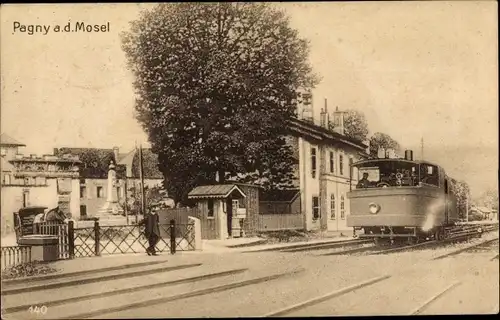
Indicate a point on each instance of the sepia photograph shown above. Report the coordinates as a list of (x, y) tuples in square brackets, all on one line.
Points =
[(249, 159)]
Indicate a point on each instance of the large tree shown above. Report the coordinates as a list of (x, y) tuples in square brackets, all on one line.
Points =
[(355, 125), (215, 85), (382, 140)]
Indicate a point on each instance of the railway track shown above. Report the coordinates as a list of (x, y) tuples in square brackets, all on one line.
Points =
[(466, 249), (377, 250)]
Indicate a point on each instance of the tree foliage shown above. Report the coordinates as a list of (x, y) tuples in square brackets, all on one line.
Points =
[(489, 199), (382, 140), (215, 85), (355, 125), (462, 193)]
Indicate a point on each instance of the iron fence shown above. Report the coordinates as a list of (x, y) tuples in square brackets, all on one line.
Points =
[(15, 255), (121, 239)]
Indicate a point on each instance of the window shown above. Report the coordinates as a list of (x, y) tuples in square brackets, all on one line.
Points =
[(3, 151), (26, 198), (332, 162), (446, 186), (99, 192), (6, 179), (387, 174), (342, 208), (313, 162), (118, 193), (82, 192), (332, 207), (341, 164), (429, 174), (316, 209), (210, 213)]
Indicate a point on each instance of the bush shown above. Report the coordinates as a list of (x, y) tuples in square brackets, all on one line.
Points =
[(28, 269)]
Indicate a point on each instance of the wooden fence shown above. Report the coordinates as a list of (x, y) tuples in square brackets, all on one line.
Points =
[(15, 255), (276, 222), (181, 216)]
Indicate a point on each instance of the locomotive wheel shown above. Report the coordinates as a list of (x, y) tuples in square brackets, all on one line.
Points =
[(411, 241), (438, 234)]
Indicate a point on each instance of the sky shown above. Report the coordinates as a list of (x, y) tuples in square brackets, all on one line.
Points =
[(417, 70)]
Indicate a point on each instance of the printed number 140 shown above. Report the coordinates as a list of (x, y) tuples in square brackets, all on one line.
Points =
[(38, 310)]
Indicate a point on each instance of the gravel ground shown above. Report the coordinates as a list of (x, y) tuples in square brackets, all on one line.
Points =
[(415, 278)]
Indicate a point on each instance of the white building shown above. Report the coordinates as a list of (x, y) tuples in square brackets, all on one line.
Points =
[(47, 181), (323, 172)]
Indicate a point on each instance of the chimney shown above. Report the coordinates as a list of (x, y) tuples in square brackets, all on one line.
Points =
[(304, 108), (338, 121), (324, 115), (116, 152)]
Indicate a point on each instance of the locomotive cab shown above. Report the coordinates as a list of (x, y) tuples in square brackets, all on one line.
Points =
[(400, 198)]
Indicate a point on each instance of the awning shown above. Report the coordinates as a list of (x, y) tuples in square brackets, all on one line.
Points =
[(215, 191)]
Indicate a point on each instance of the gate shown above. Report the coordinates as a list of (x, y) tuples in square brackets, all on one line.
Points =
[(61, 230)]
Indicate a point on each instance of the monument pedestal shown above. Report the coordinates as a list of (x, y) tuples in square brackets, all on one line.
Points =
[(43, 247)]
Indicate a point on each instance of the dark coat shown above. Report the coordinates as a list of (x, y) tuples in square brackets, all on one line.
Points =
[(152, 224)]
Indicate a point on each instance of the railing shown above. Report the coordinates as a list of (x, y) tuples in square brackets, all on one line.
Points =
[(59, 230), (121, 239), (275, 222), (15, 255)]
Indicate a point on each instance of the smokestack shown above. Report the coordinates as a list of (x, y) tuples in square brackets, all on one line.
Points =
[(409, 155)]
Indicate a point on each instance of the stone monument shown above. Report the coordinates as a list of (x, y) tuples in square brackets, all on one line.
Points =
[(111, 207)]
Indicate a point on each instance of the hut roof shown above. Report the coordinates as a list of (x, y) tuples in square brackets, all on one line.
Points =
[(214, 191)]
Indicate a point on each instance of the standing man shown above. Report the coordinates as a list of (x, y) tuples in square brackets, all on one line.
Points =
[(152, 231)]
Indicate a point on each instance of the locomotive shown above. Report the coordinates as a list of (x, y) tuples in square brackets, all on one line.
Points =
[(400, 199)]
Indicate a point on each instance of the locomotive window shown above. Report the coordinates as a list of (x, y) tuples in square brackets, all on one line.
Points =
[(379, 174), (429, 174)]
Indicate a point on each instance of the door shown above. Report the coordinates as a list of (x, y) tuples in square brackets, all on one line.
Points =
[(230, 217)]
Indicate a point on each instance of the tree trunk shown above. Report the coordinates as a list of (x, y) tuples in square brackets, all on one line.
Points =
[(222, 176)]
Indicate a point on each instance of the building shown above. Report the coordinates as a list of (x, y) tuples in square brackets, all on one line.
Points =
[(323, 171), (94, 174), (47, 181)]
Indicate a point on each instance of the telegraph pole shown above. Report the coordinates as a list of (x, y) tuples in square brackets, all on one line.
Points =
[(141, 173), (422, 148)]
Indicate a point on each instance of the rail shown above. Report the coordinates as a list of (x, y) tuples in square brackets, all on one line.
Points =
[(15, 255)]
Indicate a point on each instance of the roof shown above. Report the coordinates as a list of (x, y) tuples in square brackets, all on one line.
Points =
[(214, 191), (6, 140), (94, 161), (395, 159), (279, 195), (320, 133)]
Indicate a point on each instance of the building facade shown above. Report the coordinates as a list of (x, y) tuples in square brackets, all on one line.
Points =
[(47, 181), (323, 173), (94, 169)]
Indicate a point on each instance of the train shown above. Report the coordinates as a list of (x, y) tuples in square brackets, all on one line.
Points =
[(401, 199)]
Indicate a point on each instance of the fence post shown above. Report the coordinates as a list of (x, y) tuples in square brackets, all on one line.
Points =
[(172, 237), (71, 239), (97, 238)]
